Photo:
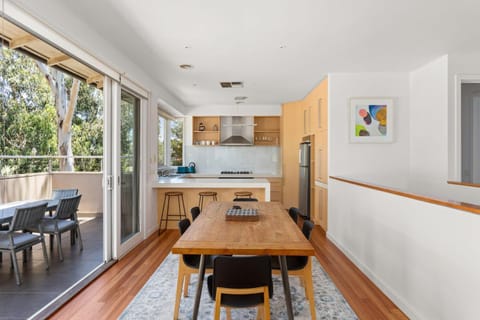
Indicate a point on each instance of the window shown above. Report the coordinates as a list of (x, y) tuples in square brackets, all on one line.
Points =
[(170, 142), (470, 133)]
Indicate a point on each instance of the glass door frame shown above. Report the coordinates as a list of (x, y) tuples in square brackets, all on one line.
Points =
[(119, 249)]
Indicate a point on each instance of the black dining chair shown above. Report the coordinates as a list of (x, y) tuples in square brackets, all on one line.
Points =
[(241, 281), (294, 213), (14, 239), (245, 199), (189, 264), (65, 219), (300, 266), (195, 211)]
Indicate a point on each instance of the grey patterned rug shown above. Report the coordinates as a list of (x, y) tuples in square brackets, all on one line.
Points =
[(157, 298)]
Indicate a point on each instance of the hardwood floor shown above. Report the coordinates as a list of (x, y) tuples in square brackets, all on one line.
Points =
[(107, 296)]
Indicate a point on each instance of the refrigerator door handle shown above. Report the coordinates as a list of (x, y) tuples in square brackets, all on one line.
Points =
[(300, 156)]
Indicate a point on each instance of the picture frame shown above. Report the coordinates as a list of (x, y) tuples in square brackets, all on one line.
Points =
[(371, 120)]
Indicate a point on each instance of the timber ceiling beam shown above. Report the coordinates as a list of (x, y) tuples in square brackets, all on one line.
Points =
[(95, 79), (58, 59), (21, 41)]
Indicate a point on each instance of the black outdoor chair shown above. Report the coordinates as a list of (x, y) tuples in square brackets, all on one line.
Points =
[(195, 211), (241, 281), (65, 219), (14, 239)]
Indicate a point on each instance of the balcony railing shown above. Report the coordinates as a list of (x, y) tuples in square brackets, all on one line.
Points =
[(11, 165)]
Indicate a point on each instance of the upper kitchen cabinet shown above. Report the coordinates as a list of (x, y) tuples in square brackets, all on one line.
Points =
[(206, 130), (267, 130)]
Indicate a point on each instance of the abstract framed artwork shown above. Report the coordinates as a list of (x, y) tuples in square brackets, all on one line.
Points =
[(371, 120)]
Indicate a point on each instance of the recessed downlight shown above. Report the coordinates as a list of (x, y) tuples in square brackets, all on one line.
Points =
[(240, 98), (186, 66), (238, 102)]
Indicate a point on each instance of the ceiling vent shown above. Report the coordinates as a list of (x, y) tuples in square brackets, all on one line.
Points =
[(233, 84)]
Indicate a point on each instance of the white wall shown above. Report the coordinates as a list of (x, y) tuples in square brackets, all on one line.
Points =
[(387, 162), (432, 129), (425, 257)]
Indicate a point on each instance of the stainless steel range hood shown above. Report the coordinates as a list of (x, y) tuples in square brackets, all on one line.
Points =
[(236, 130)]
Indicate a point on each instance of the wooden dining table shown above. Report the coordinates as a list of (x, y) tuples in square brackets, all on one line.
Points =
[(274, 233)]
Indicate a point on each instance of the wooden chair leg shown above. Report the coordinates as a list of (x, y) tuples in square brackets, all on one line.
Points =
[(186, 284), (260, 312), (178, 295), (218, 298), (266, 304), (228, 311), (307, 276)]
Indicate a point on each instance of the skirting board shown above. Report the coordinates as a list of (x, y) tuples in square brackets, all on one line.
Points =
[(391, 294)]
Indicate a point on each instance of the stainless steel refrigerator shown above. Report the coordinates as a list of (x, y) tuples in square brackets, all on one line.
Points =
[(304, 190)]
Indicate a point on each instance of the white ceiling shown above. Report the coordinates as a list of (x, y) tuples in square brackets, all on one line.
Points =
[(241, 40)]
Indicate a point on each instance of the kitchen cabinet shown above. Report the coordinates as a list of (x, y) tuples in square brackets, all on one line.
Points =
[(321, 156), (267, 130), (206, 130), (307, 118), (320, 208), (275, 189)]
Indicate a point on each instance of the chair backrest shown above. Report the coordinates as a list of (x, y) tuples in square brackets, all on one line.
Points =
[(294, 212), (28, 217), (195, 211), (240, 272), (63, 193), (183, 225), (307, 228), (245, 199), (67, 207)]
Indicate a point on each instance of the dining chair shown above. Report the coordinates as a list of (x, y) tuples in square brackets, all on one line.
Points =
[(245, 199), (294, 213), (300, 266), (14, 239), (241, 281), (65, 219), (188, 264), (195, 211)]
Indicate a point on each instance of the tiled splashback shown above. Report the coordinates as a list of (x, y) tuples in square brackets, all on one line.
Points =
[(260, 160)]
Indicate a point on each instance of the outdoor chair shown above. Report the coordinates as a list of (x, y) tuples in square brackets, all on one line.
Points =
[(63, 193), (240, 282), (300, 266), (14, 239), (65, 219), (188, 264)]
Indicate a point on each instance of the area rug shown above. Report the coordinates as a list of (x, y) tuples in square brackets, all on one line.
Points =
[(156, 300)]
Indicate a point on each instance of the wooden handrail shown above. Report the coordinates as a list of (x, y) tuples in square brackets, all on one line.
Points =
[(446, 203)]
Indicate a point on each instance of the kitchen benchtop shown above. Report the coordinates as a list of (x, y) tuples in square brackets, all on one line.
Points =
[(186, 181), (216, 175)]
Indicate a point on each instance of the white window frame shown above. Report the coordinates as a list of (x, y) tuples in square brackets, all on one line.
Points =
[(167, 133)]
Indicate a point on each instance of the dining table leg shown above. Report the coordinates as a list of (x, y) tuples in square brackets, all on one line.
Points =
[(198, 294), (286, 286)]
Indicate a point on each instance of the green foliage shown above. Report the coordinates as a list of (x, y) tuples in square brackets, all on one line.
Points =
[(176, 142), (28, 123)]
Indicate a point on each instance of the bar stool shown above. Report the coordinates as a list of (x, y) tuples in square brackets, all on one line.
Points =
[(243, 194), (204, 194), (166, 204)]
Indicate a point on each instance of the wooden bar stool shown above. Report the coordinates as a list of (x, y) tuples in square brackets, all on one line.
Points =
[(205, 194), (243, 194), (166, 205)]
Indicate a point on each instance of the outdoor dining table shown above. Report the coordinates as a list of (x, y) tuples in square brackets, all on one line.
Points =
[(274, 233), (7, 210)]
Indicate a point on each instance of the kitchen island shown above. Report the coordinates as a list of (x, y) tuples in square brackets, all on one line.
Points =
[(191, 186)]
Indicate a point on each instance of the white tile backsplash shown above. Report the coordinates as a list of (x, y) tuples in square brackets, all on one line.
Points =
[(260, 160)]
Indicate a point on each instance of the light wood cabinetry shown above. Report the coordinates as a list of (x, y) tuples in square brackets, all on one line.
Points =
[(308, 117), (320, 207), (267, 130), (206, 131), (275, 189), (291, 133)]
